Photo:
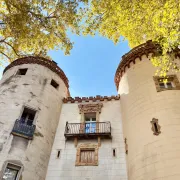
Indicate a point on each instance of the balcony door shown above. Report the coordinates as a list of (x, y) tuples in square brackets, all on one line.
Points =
[(90, 122), (28, 116)]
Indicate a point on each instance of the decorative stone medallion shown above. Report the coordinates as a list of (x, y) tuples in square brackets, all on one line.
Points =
[(88, 108)]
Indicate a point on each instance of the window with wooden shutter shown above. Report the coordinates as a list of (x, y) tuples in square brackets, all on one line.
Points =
[(87, 155)]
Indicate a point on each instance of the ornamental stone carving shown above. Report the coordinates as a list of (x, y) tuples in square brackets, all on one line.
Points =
[(88, 108)]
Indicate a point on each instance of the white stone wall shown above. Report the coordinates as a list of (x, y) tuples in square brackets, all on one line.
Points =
[(150, 157), (109, 168), (33, 90)]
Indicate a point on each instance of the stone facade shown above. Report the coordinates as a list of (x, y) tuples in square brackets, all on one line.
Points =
[(131, 136), (109, 167)]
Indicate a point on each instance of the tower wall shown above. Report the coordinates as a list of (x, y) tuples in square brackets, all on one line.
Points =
[(149, 156), (32, 90)]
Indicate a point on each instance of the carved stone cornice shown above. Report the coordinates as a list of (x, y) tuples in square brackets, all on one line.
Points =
[(90, 99), (88, 108)]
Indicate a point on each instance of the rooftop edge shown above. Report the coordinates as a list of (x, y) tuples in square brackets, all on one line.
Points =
[(137, 52), (41, 61), (91, 98)]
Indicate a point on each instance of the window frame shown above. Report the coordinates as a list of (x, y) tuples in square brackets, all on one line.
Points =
[(12, 163), (54, 84), (156, 128), (87, 147), (28, 107), (174, 83), (19, 70)]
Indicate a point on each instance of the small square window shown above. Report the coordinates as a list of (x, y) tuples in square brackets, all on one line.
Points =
[(11, 172), (54, 84), (22, 71)]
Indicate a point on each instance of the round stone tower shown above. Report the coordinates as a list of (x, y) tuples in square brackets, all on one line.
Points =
[(31, 93), (151, 116)]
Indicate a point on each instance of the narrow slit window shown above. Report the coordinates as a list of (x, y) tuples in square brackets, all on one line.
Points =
[(54, 84), (155, 127), (12, 172), (58, 154), (114, 152), (22, 71)]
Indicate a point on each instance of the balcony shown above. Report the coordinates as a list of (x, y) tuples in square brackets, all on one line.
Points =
[(23, 129), (88, 130)]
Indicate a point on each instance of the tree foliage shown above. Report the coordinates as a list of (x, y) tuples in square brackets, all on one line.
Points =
[(32, 27), (139, 21)]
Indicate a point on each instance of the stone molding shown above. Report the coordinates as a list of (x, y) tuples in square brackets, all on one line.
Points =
[(40, 61), (172, 77), (90, 99), (87, 146), (89, 108)]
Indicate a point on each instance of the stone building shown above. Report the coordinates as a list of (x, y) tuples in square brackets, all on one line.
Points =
[(47, 135)]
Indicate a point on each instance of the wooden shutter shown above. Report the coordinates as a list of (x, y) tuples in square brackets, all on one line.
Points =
[(87, 156)]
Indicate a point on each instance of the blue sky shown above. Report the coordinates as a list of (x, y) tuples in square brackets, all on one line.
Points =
[(91, 66)]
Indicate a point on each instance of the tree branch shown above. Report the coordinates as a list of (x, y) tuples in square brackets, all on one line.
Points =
[(5, 55), (12, 48), (2, 40)]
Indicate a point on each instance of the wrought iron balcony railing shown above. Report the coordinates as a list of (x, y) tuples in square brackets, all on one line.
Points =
[(86, 130), (23, 129)]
